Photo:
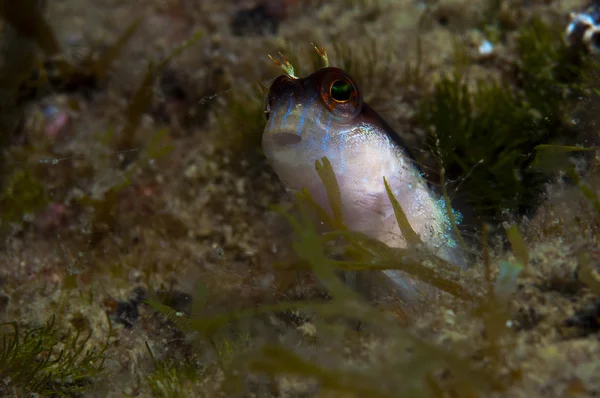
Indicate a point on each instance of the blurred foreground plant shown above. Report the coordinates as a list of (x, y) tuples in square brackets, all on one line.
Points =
[(410, 363)]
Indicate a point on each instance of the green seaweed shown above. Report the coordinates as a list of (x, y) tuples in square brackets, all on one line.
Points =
[(519, 246), (493, 308), (414, 373), (370, 254), (99, 67), (487, 127), (144, 95), (334, 195), (241, 120), (486, 135), (23, 194), (407, 232), (104, 219), (495, 314), (277, 360), (47, 362), (172, 379)]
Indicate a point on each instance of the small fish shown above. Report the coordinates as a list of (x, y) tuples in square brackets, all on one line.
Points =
[(324, 114), (584, 28)]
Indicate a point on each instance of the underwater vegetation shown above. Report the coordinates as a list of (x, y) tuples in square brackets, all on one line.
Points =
[(172, 379), (486, 135), (24, 191), (417, 366), (23, 195), (284, 339), (242, 120), (47, 361)]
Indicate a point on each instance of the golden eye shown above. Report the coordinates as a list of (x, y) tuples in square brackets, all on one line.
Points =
[(338, 92), (341, 91)]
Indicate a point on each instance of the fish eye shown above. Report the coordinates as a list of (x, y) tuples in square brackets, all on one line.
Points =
[(338, 91), (341, 91)]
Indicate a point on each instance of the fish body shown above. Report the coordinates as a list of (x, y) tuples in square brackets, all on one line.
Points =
[(584, 28), (323, 115)]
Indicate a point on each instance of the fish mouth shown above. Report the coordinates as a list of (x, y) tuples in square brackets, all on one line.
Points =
[(286, 139)]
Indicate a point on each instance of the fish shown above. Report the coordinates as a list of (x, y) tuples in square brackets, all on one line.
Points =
[(583, 30), (324, 115)]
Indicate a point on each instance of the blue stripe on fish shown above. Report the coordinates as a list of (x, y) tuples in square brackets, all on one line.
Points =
[(287, 113), (304, 112), (272, 119)]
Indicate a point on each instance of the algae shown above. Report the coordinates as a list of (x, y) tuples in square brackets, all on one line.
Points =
[(45, 361), (487, 134)]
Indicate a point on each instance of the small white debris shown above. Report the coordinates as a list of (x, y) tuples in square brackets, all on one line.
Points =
[(486, 48), (191, 172), (308, 329), (240, 186)]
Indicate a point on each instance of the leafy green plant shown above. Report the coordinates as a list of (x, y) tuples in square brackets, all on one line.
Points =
[(23, 194), (46, 361), (486, 135), (144, 95), (417, 372), (170, 379), (241, 119)]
